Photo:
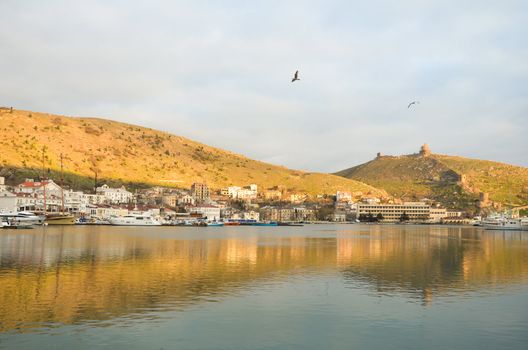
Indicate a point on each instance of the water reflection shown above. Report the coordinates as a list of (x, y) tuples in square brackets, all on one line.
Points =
[(73, 275)]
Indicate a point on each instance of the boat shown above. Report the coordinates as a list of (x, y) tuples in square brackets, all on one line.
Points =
[(289, 224), (90, 221), (215, 223), (231, 223), (271, 223), (504, 223), (60, 219), (14, 221), (134, 220), (24, 217)]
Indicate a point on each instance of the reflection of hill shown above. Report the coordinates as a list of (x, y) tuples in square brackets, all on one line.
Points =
[(65, 276), (441, 260)]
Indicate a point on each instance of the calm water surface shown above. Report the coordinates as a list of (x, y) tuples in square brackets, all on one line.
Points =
[(311, 287)]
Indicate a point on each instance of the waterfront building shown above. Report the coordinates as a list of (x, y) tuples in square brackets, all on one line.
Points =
[(437, 214), (105, 211), (415, 211), (338, 216), (304, 214), (3, 186), (115, 195), (251, 215), (454, 214), (210, 212)]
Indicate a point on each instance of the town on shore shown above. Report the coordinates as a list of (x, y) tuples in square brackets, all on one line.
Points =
[(201, 205)]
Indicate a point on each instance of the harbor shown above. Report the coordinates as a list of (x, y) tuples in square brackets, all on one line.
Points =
[(136, 287)]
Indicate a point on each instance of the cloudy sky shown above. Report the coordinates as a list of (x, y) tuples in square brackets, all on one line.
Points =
[(219, 72)]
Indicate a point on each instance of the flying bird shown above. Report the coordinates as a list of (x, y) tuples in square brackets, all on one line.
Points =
[(296, 76), (413, 103)]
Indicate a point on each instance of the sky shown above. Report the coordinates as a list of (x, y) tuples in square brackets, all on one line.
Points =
[(219, 72)]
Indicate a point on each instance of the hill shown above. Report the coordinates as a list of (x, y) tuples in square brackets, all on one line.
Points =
[(453, 181), (124, 153)]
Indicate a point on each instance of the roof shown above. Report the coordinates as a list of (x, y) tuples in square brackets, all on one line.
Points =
[(33, 184)]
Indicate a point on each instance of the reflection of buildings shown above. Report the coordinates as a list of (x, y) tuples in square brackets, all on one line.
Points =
[(60, 275)]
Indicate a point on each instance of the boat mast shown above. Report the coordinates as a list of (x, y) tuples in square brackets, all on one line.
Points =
[(42, 180), (62, 186)]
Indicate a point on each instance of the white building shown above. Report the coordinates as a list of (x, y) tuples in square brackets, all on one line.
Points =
[(251, 215), (186, 200), (31, 186), (3, 186), (115, 195), (342, 196), (105, 211), (94, 199), (437, 214), (8, 201), (416, 211), (210, 212), (237, 192)]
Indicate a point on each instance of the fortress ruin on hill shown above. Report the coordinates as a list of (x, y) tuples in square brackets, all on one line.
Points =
[(424, 151)]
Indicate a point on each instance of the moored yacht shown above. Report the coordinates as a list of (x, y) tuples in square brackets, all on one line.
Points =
[(500, 222), (25, 218), (134, 220)]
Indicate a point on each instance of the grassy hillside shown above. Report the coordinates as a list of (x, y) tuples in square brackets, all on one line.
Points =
[(132, 154), (454, 181)]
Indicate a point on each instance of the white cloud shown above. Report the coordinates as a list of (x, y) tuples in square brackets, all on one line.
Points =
[(218, 72)]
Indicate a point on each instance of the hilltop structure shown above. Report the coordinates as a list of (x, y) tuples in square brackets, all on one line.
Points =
[(425, 151)]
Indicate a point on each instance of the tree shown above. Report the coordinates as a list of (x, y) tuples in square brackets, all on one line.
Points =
[(404, 217), (379, 217)]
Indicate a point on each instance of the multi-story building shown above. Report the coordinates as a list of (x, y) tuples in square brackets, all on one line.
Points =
[(437, 214), (200, 192), (3, 186), (236, 192), (251, 215), (304, 214), (94, 199), (170, 200), (31, 186), (269, 213), (415, 211), (115, 195)]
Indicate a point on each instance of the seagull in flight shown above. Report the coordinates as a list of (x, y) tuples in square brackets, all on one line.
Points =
[(413, 103), (296, 76)]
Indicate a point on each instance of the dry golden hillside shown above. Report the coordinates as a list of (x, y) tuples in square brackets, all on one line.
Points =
[(129, 153)]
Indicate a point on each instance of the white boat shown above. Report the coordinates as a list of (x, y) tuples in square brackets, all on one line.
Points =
[(134, 220), (23, 218), (501, 222)]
